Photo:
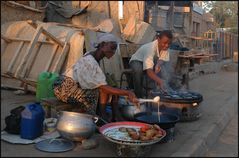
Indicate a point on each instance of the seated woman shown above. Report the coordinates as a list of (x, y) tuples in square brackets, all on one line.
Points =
[(85, 83)]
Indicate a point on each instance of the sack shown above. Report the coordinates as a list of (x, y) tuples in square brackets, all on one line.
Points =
[(13, 121)]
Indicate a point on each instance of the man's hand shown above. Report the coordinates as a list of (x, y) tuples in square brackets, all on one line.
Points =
[(157, 69), (158, 66), (162, 86)]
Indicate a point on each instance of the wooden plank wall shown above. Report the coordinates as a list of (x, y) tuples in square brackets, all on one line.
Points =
[(43, 55)]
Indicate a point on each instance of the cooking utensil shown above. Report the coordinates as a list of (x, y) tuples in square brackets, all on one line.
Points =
[(129, 110), (76, 126), (166, 120), (111, 132), (155, 100)]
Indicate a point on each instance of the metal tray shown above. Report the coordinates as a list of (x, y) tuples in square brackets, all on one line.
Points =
[(111, 132)]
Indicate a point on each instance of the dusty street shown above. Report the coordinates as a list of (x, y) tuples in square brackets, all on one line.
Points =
[(220, 93), (227, 143)]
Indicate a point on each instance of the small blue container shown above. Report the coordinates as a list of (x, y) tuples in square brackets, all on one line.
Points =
[(108, 109), (32, 121)]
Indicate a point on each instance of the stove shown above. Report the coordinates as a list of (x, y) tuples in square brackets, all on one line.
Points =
[(179, 96), (185, 104)]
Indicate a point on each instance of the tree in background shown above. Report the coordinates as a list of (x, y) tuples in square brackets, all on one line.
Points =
[(225, 13)]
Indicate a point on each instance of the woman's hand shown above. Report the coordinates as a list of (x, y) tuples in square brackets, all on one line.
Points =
[(132, 97)]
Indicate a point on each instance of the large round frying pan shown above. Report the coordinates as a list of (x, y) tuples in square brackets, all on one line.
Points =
[(179, 97), (166, 120)]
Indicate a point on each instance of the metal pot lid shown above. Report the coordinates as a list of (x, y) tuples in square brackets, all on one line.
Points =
[(55, 145)]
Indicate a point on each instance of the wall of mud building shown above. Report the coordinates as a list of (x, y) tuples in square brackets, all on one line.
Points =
[(97, 11), (9, 13), (204, 26)]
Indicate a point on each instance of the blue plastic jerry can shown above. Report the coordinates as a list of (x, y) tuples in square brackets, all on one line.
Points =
[(32, 118)]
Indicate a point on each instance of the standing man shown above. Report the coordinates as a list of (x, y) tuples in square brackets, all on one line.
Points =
[(147, 60)]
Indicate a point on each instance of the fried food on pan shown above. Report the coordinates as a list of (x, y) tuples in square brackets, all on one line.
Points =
[(122, 129), (130, 130), (150, 133), (144, 129), (156, 127), (134, 136), (143, 138), (142, 133)]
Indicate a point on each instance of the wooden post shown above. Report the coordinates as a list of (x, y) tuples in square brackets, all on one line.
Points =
[(226, 44), (18, 50), (223, 50), (157, 13), (109, 10), (172, 15), (28, 51), (5, 38), (24, 6), (61, 59), (231, 45), (221, 45), (10, 39), (46, 33)]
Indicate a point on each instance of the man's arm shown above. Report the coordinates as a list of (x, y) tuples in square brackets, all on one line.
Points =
[(154, 77)]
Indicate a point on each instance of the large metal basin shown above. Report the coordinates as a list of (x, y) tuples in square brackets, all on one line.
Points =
[(76, 126)]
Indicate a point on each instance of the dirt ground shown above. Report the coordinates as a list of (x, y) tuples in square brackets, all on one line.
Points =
[(227, 143)]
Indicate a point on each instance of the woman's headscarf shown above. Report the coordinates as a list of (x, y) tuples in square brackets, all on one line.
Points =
[(106, 37)]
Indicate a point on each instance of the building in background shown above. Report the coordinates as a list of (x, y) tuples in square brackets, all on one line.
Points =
[(186, 19)]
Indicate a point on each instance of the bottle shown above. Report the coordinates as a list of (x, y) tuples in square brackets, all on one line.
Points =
[(32, 118)]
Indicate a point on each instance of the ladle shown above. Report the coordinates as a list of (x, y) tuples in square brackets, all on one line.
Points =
[(155, 100)]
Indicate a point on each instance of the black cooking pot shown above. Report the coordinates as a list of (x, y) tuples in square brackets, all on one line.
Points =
[(166, 120)]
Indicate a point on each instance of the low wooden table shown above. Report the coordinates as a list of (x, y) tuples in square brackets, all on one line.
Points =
[(198, 58)]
